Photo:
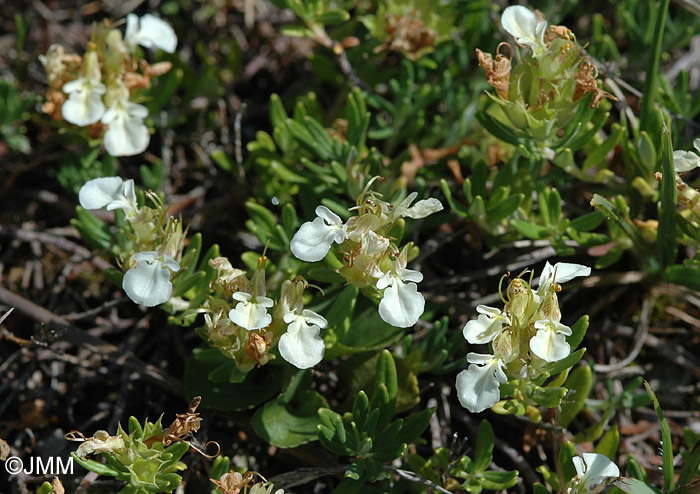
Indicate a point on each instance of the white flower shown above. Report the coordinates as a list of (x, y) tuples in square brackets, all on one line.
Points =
[(593, 471), (149, 282), (550, 341), (401, 304), (84, 105), (314, 238), (149, 31), (478, 386), (421, 209), (684, 161), (301, 345), (522, 24), (564, 272), (126, 135), (485, 327), (110, 193), (251, 315)]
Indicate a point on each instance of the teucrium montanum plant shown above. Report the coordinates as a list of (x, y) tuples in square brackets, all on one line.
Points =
[(524, 336), (372, 260), (104, 86), (157, 240), (542, 93)]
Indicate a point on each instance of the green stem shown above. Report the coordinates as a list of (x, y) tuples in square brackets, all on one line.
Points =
[(653, 69)]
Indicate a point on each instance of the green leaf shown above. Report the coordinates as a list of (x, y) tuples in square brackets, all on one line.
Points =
[(597, 156), (498, 130), (95, 466), (548, 397), (578, 331), (690, 467), (652, 72), (579, 384), (668, 205), (259, 386), (497, 480), (560, 366), (587, 222), (530, 230), (566, 452), (483, 452), (634, 486), (608, 443), (333, 17), (681, 275), (278, 116), (617, 217), (279, 426), (505, 208), (667, 443)]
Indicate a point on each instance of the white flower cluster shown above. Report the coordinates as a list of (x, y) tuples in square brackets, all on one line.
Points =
[(90, 101), (530, 321), (148, 282), (372, 259), (253, 326)]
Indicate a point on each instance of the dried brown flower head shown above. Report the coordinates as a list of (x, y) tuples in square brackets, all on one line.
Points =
[(497, 71)]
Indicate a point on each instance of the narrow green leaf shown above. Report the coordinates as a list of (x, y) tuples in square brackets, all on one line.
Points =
[(608, 443), (668, 204), (652, 73), (681, 275), (667, 444), (690, 467), (579, 385), (483, 452), (597, 156)]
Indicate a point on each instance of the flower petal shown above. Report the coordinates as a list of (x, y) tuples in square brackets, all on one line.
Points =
[(150, 32), (126, 135), (84, 105), (598, 469), (250, 315), (98, 192), (482, 329), (522, 24), (478, 387), (402, 304), (549, 344), (149, 282), (314, 238), (301, 345), (684, 161)]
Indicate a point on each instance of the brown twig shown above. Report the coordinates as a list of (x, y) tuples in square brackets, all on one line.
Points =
[(76, 336)]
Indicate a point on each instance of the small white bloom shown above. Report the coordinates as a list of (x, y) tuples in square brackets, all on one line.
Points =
[(126, 134), (550, 341), (421, 209), (485, 327), (478, 387), (314, 238), (150, 32), (251, 315), (593, 471), (522, 24), (684, 161), (149, 282), (84, 105), (564, 272), (301, 345), (110, 193), (401, 304)]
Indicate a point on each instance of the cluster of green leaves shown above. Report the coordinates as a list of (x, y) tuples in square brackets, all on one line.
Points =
[(145, 463), (14, 110), (463, 473), (367, 433)]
